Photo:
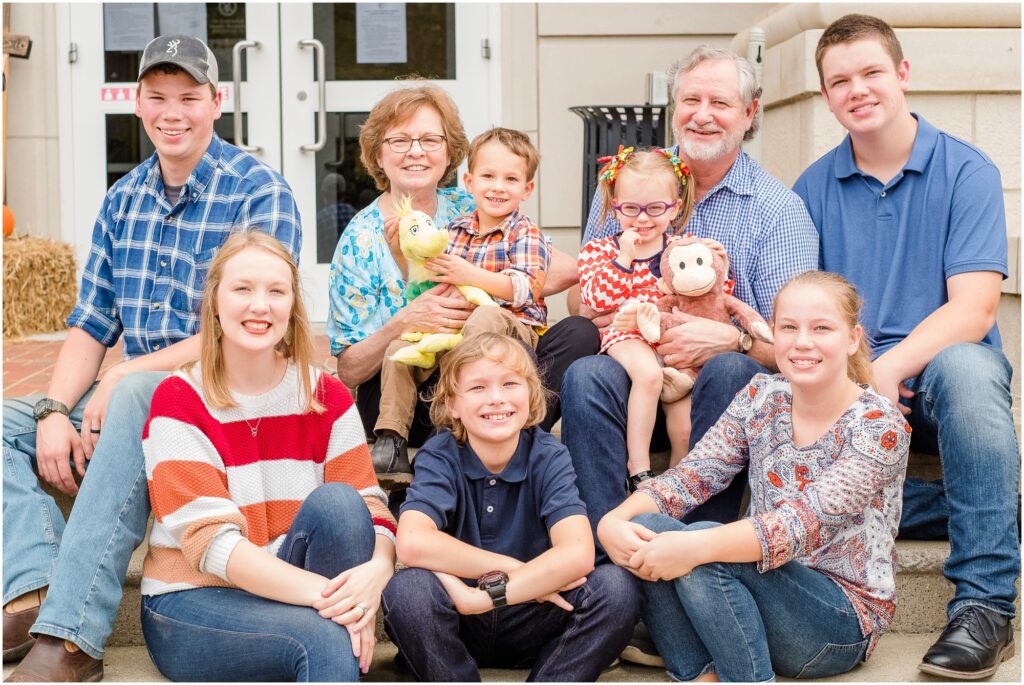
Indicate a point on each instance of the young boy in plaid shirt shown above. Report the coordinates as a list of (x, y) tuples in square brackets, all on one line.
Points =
[(495, 248)]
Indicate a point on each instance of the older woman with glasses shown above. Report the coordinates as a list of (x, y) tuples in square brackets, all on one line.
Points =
[(412, 142)]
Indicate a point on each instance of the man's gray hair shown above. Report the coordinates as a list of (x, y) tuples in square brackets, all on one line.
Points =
[(750, 89)]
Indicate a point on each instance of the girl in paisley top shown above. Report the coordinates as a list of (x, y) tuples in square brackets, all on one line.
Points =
[(804, 585)]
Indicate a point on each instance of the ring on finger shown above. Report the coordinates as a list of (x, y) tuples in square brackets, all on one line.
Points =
[(94, 430), (363, 608)]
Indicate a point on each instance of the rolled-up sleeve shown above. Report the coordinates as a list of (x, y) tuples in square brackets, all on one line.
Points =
[(95, 311), (529, 260)]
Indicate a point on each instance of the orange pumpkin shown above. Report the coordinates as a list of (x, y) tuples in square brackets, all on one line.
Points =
[(8, 221)]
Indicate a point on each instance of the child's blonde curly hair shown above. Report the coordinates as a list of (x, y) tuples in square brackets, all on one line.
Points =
[(647, 163), (499, 349)]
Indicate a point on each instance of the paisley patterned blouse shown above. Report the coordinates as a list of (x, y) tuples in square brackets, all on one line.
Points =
[(366, 286), (833, 506)]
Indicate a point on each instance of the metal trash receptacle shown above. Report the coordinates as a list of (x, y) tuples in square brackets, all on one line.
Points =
[(605, 127)]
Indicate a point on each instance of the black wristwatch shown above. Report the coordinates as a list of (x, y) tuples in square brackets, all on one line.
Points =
[(493, 583), (46, 406)]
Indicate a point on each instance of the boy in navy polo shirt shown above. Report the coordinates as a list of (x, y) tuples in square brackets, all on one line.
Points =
[(497, 539), (914, 218)]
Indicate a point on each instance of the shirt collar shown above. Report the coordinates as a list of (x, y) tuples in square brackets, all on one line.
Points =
[(472, 223), (200, 177), (924, 145), (514, 471)]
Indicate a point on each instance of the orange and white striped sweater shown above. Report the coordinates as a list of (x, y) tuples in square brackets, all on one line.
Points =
[(212, 483)]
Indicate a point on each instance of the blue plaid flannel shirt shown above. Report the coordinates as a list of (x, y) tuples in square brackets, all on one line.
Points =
[(147, 265), (763, 225)]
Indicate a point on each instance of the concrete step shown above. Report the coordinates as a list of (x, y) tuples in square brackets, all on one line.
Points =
[(922, 590), (894, 660)]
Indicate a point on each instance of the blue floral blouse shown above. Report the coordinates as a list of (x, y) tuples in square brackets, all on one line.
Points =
[(366, 286)]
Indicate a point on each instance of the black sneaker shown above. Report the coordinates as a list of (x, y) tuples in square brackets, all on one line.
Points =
[(972, 646), (641, 649), (390, 454)]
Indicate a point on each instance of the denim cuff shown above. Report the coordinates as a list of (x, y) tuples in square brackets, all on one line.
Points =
[(708, 668), (958, 607), (69, 635)]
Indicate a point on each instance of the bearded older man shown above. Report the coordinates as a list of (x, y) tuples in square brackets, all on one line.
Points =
[(769, 237)]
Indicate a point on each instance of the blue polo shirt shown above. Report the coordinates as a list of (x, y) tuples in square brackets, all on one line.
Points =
[(898, 242), (506, 513)]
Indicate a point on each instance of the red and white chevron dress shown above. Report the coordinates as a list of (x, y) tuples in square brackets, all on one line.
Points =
[(604, 285)]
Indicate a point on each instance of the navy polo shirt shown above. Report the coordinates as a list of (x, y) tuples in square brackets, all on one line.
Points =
[(898, 242), (506, 513)]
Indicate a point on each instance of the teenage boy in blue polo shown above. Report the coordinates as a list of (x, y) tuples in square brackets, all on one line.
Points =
[(494, 504), (154, 238), (914, 218)]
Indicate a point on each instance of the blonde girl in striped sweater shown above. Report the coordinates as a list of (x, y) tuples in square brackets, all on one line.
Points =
[(272, 540)]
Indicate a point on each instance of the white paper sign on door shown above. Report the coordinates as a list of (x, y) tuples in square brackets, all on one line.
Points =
[(381, 33), (127, 26), (182, 19)]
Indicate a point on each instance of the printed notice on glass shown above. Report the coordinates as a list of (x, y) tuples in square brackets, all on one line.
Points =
[(380, 33), (182, 19), (127, 26)]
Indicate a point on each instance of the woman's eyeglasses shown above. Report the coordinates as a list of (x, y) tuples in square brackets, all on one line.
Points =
[(431, 143), (651, 209)]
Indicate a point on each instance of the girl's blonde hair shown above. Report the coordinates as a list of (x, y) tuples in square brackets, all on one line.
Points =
[(499, 349), (296, 345), (858, 366), (648, 163)]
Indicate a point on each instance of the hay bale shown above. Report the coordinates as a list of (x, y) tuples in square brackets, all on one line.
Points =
[(39, 285)]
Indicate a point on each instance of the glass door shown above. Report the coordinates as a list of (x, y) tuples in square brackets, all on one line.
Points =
[(364, 48), (106, 42), (271, 51)]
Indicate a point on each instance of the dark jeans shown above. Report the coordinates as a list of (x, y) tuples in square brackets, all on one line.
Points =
[(565, 342), (227, 634), (595, 393), (439, 644)]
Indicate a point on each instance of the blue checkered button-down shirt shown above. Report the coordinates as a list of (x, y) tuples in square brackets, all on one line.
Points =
[(763, 225), (145, 271)]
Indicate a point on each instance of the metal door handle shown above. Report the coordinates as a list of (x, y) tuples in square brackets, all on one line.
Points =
[(321, 86), (236, 54)]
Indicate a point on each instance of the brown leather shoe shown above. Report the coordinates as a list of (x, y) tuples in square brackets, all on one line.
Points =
[(50, 661), (17, 641)]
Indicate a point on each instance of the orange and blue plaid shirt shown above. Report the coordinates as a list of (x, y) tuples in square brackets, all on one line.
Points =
[(514, 247)]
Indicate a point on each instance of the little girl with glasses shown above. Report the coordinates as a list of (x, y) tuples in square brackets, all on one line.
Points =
[(650, 191)]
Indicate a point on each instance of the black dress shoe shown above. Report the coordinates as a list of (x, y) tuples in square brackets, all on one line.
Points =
[(972, 646)]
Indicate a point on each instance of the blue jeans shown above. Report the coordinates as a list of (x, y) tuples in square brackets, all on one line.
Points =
[(211, 634), (83, 563), (748, 626), (962, 412), (439, 644), (595, 392)]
